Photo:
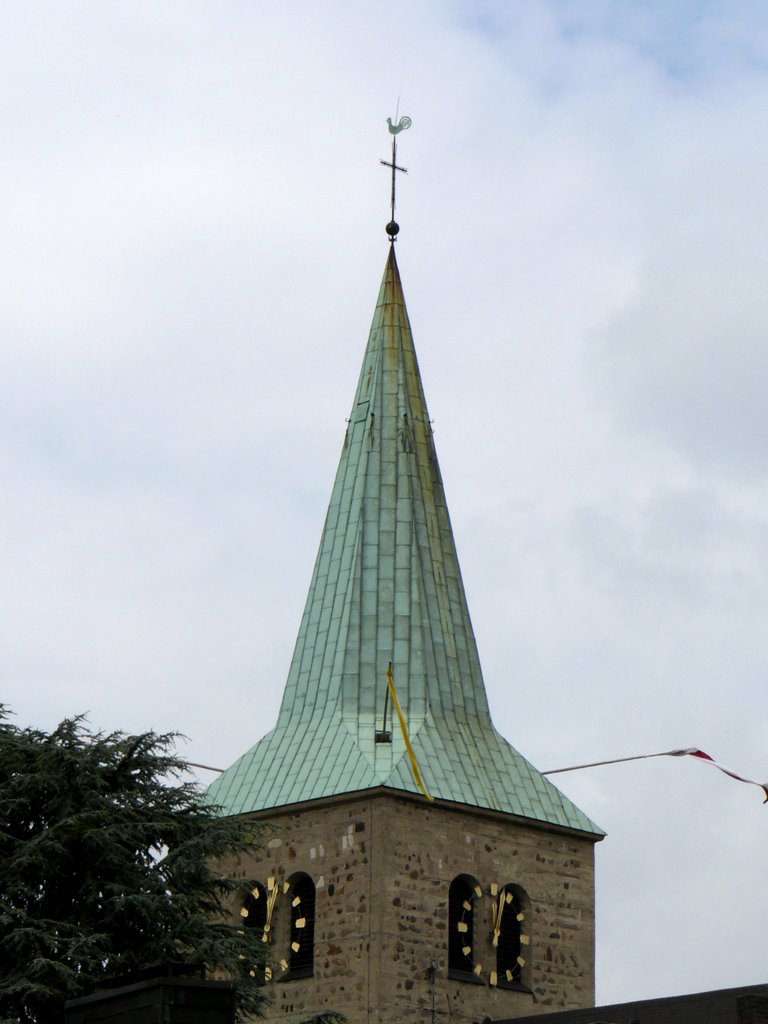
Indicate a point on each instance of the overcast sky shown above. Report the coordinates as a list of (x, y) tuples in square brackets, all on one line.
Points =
[(193, 222)]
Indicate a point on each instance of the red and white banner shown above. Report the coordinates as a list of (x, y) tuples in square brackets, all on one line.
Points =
[(693, 752), (688, 751)]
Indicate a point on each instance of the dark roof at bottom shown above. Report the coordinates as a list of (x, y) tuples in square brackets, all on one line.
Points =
[(746, 1005)]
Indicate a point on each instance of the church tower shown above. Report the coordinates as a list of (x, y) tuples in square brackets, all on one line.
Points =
[(420, 869)]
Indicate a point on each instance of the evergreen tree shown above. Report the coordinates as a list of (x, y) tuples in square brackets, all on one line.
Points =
[(108, 866)]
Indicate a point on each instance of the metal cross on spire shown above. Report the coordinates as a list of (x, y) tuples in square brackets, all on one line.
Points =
[(405, 122)]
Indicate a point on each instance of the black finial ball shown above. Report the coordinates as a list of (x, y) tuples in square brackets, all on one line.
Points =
[(392, 228)]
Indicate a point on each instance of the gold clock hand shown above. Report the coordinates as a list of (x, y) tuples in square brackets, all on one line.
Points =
[(273, 891), (504, 898)]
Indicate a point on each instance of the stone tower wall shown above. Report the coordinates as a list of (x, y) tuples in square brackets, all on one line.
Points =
[(382, 865)]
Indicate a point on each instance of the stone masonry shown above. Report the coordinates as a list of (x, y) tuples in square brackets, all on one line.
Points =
[(382, 863)]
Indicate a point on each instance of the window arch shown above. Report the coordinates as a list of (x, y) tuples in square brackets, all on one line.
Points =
[(462, 894), (302, 956), (510, 935)]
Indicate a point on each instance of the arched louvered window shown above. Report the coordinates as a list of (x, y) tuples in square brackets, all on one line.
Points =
[(302, 896), (461, 926), (510, 935)]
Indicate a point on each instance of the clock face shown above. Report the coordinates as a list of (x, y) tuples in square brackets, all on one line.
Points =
[(507, 935), (259, 910)]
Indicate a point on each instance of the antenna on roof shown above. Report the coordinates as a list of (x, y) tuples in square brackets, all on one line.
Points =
[(405, 122)]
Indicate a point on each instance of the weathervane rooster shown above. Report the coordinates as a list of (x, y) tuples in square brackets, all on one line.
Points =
[(403, 123)]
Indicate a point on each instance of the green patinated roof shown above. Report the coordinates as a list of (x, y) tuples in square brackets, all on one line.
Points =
[(387, 587)]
